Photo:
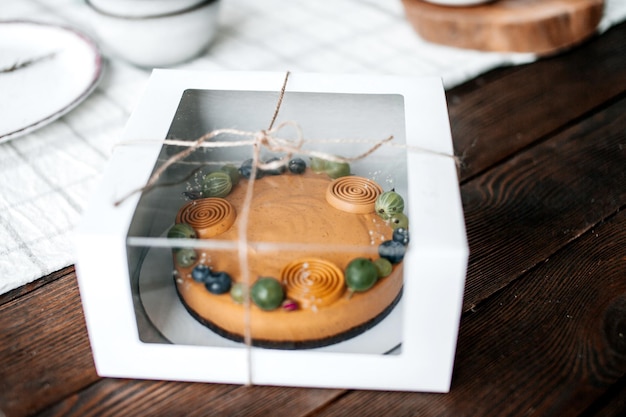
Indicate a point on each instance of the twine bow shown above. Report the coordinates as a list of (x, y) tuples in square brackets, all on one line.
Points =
[(266, 138)]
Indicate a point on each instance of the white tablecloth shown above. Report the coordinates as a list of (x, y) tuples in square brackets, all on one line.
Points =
[(46, 177)]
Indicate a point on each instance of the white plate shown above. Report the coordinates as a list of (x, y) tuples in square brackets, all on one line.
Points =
[(45, 71), (166, 312)]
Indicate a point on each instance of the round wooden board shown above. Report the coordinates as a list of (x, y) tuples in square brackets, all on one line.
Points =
[(536, 26)]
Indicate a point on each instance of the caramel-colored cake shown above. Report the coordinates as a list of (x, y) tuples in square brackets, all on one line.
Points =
[(295, 234)]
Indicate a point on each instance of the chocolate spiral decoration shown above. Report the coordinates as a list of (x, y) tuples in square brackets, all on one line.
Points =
[(353, 194), (313, 282), (208, 216)]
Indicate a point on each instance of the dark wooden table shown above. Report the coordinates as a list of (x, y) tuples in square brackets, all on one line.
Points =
[(543, 331)]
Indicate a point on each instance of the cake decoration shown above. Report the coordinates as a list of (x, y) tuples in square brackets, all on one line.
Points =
[(214, 282), (332, 168), (388, 204), (186, 257), (353, 194), (298, 298), (216, 184), (267, 293), (313, 282), (398, 220), (181, 230), (207, 216), (296, 166), (361, 274)]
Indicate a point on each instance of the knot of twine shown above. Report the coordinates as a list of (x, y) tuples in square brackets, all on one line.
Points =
[(266, 138), (260, 139)]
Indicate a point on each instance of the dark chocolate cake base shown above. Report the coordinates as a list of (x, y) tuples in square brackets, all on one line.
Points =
[(296, 345)]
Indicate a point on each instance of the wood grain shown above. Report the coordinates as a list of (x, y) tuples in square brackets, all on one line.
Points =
[(534, 101), (524, 210), (32, 286), (111, 397), (544, 346), (611, 404), (535, 26), (44, 350)]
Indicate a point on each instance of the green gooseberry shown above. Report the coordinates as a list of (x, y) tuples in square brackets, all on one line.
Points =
[(186, 257), (181, 231), (318, 165), (216, 184), (238, 292), (388, 204), (337, 169), (383, 266), (233, 173), (361, 274), (267, 293), (398, 220)]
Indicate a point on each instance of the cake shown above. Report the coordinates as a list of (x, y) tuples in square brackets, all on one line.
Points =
[(311, 241)]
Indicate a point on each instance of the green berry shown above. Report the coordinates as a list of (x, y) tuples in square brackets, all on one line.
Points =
[(318, 165), (337, 169), (398, 221), (383, 266), (333, 169), (216, 184), (361, 274), (389, 203), (238, 292), (181, 231), (233, 173), (186, 257), (267, 293)]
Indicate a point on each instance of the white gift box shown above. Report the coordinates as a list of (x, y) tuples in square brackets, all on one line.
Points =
[(138, 327)]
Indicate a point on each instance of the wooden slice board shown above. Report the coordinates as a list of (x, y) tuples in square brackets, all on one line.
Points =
[(537, 26)]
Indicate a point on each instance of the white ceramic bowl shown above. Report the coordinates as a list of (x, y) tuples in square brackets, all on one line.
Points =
[(159, 40), (459, 2), (142, 8)]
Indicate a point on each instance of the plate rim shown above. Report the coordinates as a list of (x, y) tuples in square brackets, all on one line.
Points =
[(96, 76)]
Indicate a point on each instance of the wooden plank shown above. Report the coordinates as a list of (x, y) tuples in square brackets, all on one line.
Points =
[(611, 404), (502, 112), (45, 361), (115, 397), (111, 397), (524, 210), (549, 344), (32, 286), (535, 26), (44, 350)]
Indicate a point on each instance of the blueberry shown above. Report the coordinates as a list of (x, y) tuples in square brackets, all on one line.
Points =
[(200, 272), (218, 283), (392, 250), (297, 166), (401, 235), (246, 169), (274, 171)]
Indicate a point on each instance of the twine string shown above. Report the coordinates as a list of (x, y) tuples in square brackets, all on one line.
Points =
[(267, 138), (262, 138)]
